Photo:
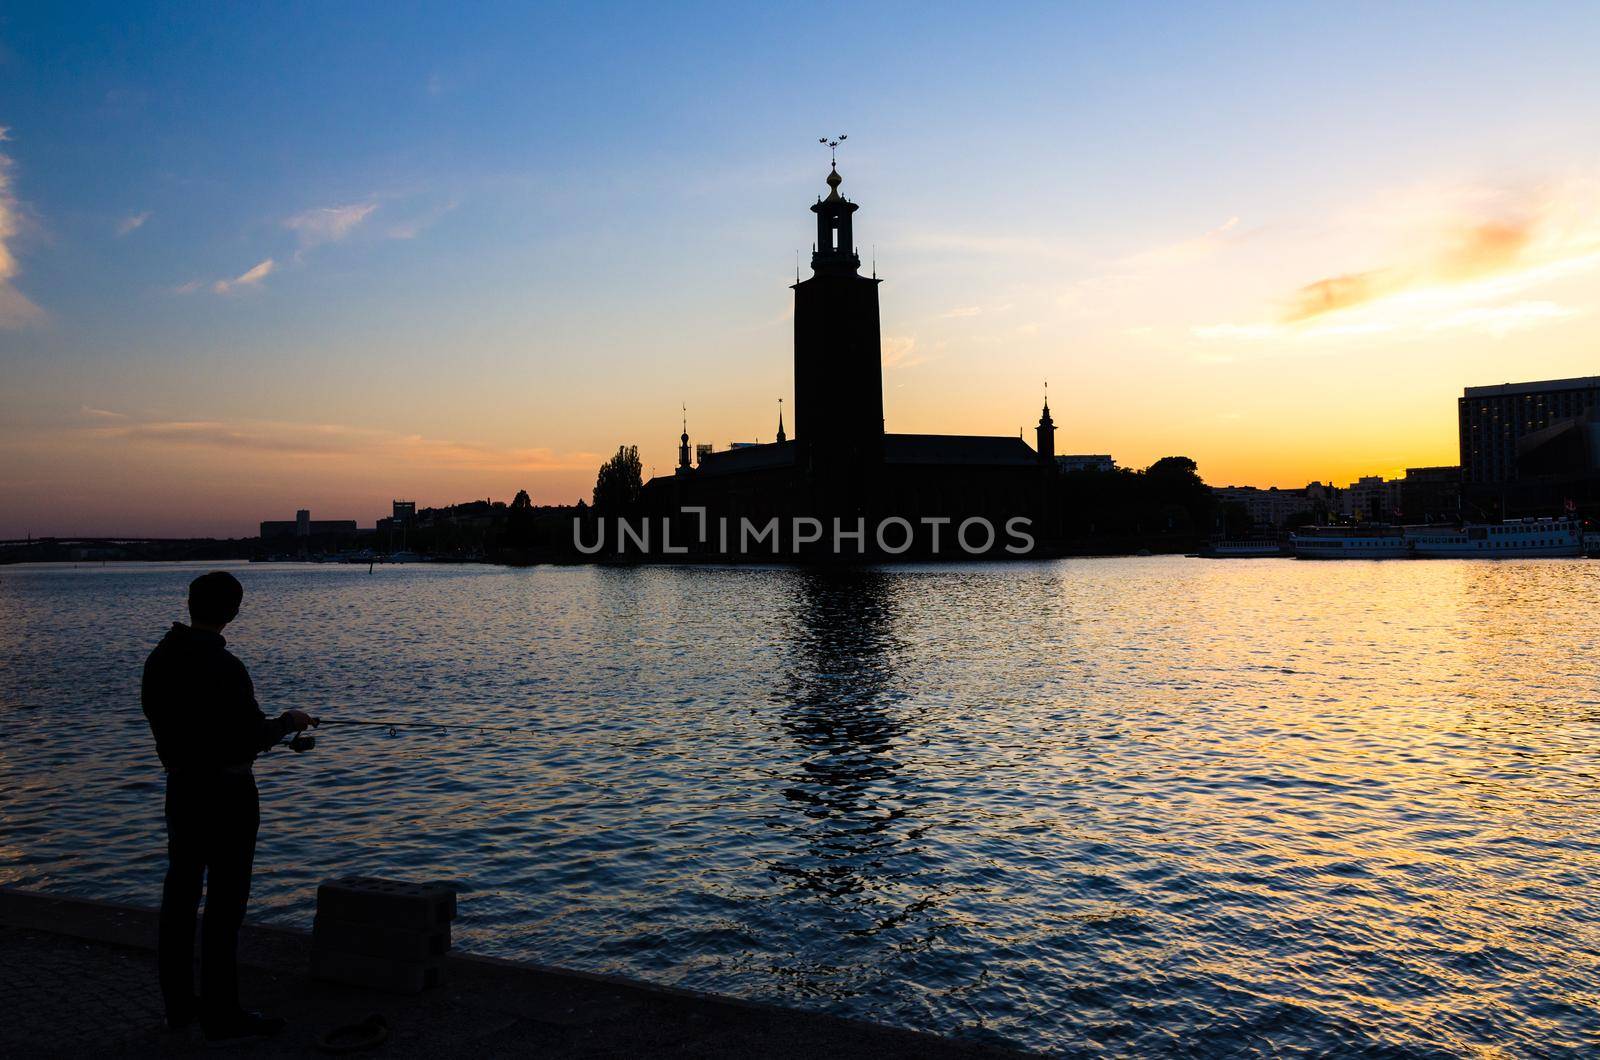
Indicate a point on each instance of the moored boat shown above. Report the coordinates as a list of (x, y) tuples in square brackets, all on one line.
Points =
[(1351, 542), (1242, 548), (1524, 539)]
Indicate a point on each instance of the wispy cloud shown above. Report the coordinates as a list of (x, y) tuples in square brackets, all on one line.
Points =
[(249, 278), (1480, 249), (1009, 246), (1466, 260), (1184, 251), (900, 351), (132, 223), (331, 442), (328, 224), (415, 226), (974, 311), (1502, 320), (101, 414), (15, 308)]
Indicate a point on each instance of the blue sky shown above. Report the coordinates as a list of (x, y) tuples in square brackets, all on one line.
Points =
[(262, 258)]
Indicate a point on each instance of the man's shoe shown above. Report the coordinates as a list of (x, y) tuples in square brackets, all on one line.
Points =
[(180, 1020), (242, 1027)]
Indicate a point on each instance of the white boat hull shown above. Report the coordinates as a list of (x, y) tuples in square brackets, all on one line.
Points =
[(1354, 548), (1531, 540)]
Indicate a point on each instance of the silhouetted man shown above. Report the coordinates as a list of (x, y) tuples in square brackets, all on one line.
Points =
[(208, 729)]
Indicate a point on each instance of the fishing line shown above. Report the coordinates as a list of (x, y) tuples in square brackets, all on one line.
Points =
[(305, 741)]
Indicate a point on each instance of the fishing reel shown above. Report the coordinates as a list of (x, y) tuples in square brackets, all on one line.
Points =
[(302, 741)]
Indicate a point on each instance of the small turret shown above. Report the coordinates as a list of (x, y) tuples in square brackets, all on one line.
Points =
[(781, 436), (834, 250), (1046, 432)]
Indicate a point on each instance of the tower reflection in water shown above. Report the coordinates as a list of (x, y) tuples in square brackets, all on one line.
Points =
[(861, 893)]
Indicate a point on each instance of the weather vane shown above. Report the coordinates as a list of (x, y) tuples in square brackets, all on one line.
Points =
[(833, 146)]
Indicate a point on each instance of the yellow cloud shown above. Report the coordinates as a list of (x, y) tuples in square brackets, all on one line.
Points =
[(328, 441), (1468, 258), (899, 351), (1475, 251)]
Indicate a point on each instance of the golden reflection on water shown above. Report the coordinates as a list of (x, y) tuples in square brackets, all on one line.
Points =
[(1151, 806)]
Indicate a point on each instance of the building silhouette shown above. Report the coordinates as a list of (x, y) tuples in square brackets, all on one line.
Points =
[(1529, 448), (1495, 418), (840, 463), (302, 525)]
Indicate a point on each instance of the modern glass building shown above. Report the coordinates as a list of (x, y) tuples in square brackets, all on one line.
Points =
[(1494, 418)]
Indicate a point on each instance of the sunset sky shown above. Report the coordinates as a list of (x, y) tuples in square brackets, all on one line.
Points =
[(253, 261)]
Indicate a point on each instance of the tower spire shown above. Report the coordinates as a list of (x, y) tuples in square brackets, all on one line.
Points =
[(1045, 434), (834, 251), (683, 442), (838, 357), (781, 436)]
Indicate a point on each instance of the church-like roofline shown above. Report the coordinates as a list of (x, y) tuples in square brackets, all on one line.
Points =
[(965, 449)]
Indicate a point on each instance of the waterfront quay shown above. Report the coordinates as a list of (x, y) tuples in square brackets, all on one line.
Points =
[(79, 976)]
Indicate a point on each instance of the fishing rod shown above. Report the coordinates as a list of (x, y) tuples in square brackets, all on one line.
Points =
[(386, 723), (299, 742)]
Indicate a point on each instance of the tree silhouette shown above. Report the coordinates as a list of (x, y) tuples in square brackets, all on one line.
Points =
[(1235, 519), (1174, 488), (620, 480)]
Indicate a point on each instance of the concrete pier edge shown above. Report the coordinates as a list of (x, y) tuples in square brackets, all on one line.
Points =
[(489, 1006)]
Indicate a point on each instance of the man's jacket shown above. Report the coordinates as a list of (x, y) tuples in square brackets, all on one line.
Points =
[(202, 706)]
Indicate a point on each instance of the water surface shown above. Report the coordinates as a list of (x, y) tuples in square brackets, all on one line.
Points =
[(1142, 806)]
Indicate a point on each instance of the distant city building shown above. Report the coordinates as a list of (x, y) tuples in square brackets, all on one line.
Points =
[(1324, 498), (1563, 449), (1431, 494), (1425, 494), (1494, 418), (703, 450), (302, 525), (1373, 498), (1267, 507), (1530, 448), (405, 513), (472, 514), (1085, 462)]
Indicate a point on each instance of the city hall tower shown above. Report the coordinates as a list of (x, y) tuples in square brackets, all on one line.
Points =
[(838, 362)]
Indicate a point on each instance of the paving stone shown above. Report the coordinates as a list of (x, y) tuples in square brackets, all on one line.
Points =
[(78, 979), (377, 973)]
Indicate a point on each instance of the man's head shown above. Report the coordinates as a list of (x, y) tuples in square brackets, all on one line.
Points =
[(214, 599)]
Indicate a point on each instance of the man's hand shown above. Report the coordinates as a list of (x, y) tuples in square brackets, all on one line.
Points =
[(299, 720)]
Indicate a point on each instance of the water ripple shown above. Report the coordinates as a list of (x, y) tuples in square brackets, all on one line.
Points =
[(1145, 807)]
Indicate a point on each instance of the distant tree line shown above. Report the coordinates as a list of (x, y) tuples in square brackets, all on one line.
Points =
[(1166, 505)]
